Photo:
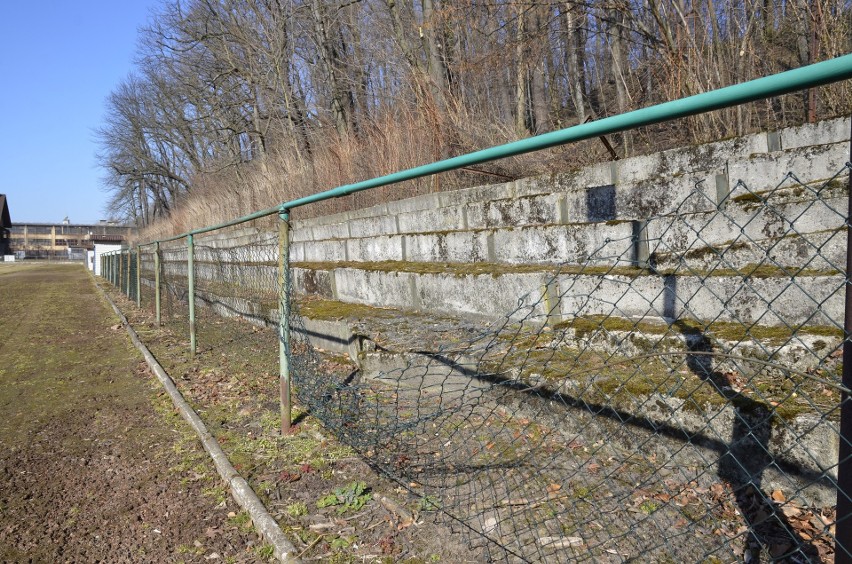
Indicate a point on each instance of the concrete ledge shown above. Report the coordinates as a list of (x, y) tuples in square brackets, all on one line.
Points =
[(816, 299)]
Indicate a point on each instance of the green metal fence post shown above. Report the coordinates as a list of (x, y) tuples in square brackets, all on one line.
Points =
[(138, 276), (120, 270), (127, 277), (284, 318), (157, 281), (190, 268)]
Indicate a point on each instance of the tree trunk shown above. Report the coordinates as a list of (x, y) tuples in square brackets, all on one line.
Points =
[(538, 88), (618, 53), (330, 61), (574, 19), (521, 127)]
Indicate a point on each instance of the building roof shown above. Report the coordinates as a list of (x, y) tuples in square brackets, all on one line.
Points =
[(60, 224), (5, 220)]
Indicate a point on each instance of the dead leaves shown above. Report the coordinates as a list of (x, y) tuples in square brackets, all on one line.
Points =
[(289, 477)]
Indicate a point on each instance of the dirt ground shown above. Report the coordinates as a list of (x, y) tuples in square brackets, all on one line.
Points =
[(94, 463)]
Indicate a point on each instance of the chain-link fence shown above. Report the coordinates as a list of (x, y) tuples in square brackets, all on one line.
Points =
[(674, 395), (673, 392), (684, 411)]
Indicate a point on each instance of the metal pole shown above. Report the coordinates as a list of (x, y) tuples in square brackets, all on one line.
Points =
[(120, 273), (127, 277), (190, 268), (284, 318), (843, 527), (157, 281), (138, 276)]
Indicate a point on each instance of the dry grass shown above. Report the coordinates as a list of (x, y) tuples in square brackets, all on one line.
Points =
[(388, 145)]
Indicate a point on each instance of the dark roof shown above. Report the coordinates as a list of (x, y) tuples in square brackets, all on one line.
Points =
[(5, 220)]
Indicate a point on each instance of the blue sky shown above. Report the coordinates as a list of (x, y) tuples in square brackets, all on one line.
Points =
[(59, 60)]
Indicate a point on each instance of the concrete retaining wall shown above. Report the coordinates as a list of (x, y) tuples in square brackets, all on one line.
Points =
[(763, 199)]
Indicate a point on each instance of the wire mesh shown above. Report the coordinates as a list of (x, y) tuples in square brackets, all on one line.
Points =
[(236, 275), (672, 395), (174, 292), (684, 411), (147, 278)]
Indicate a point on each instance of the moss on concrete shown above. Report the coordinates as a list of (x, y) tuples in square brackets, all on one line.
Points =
[(499, 269), (717, 330), (331, 310)]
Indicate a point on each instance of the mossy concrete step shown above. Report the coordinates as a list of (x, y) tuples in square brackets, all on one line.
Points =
[(823, 251), (767, 295), (652, 373)]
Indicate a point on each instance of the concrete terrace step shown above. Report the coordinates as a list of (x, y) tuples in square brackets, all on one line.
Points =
[(766, 295), (644, 369), (744, 220)]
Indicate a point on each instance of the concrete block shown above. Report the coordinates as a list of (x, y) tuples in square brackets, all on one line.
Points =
[(417, 203), (438, 219), (571, 244), (330, 231), (767, 301), (335, 336), (453, 246), (372, 226), (375, 249), (514, 212), (688, 160), (325, 251), (533, 186), (311, 282), (615, 295), (339, 217), (817, 251), (643, 199), (746, 223), (517, 296), (297, 252), (378, 210), (376, 288), (476, 194), (593, 175), (807, 164), (821, 133)]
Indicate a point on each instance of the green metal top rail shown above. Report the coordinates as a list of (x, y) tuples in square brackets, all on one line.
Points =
[(811, 76)]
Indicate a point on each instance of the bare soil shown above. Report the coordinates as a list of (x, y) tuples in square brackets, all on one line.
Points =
[(94, 464)]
